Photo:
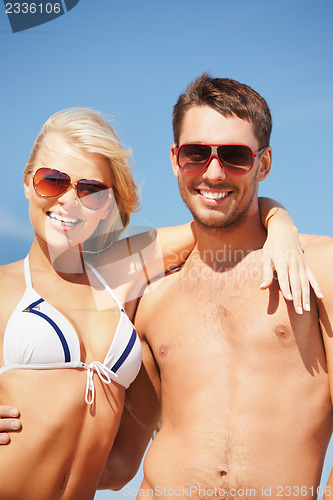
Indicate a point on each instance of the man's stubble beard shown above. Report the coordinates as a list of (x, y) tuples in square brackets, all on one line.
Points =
[(232, 222)]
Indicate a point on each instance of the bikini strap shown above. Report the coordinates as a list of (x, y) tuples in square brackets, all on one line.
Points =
[(27, 274), (106, 286)]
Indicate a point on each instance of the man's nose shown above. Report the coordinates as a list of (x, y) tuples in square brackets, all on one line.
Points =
[(214, 171)]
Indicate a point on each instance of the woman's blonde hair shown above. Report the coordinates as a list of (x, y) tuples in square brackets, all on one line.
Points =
[(88, 130)]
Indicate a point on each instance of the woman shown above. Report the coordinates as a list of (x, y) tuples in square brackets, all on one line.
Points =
[(69, 350)]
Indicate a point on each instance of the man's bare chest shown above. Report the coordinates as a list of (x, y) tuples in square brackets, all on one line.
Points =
[(237, 324)]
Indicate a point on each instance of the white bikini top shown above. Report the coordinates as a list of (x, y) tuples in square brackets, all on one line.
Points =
[(38, 336)]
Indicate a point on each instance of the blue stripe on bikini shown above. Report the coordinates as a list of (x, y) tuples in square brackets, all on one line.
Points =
[(126, 352), (34, 304), (54, 326)]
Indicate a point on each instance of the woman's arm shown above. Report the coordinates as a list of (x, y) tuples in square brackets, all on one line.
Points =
[(282, 253), (176, 244), (142, 257)]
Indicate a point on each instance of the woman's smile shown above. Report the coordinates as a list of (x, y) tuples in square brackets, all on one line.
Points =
[(63, 221)]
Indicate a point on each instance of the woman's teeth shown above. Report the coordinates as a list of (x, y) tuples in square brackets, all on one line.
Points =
[(63, 219)]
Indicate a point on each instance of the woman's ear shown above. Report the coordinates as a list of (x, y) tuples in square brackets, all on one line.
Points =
[(265, 164), (27, 185), (110, 207)]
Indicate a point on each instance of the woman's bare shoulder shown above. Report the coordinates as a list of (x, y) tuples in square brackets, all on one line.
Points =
[(12, 286), (11, 274)]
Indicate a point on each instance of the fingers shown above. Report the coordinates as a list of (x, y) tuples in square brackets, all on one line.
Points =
[(299, 288), (314, 283), (8, 411), (286, 285), (301, 278), (295, 281), (268, 273), (305, 289), (4, 438), (8, 422)]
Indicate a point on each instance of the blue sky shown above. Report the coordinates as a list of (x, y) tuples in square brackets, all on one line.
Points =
[(131, 58)]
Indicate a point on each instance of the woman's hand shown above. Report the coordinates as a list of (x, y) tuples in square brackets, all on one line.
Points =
[(282, 252)]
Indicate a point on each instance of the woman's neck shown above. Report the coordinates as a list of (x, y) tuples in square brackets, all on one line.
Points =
[(67, 261)]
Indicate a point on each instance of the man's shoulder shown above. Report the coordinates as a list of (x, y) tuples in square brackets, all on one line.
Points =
[(315, 244), (156, 292), (161, 284), (318, 252)]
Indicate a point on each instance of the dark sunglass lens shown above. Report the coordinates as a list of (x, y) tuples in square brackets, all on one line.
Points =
[(237, 159), (49, 182), (93, 194), (193, 157)]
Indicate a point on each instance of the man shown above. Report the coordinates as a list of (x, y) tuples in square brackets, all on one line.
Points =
[(243, 380)]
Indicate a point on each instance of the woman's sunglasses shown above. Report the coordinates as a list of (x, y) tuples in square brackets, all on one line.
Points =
[(49, 183), (236, 159)]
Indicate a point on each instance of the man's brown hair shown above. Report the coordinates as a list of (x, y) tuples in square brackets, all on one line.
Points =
[(229, 98)]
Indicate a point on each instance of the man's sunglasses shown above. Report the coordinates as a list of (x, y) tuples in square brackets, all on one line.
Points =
[(49, 183), (236, 159)]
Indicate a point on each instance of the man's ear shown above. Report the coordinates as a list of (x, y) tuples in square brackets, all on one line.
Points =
[(173, 158), (26, 185), (265, 164)]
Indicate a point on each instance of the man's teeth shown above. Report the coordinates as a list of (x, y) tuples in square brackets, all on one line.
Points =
[(213, 196), (63, 219)]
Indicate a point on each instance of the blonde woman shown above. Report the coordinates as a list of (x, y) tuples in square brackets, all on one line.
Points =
[(69, 350)]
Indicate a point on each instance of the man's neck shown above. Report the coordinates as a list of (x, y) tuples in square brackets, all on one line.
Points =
[(228, 246)]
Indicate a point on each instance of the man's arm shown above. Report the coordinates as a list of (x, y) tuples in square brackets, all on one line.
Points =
[(319, 252), (325, 308), (139, 419)]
